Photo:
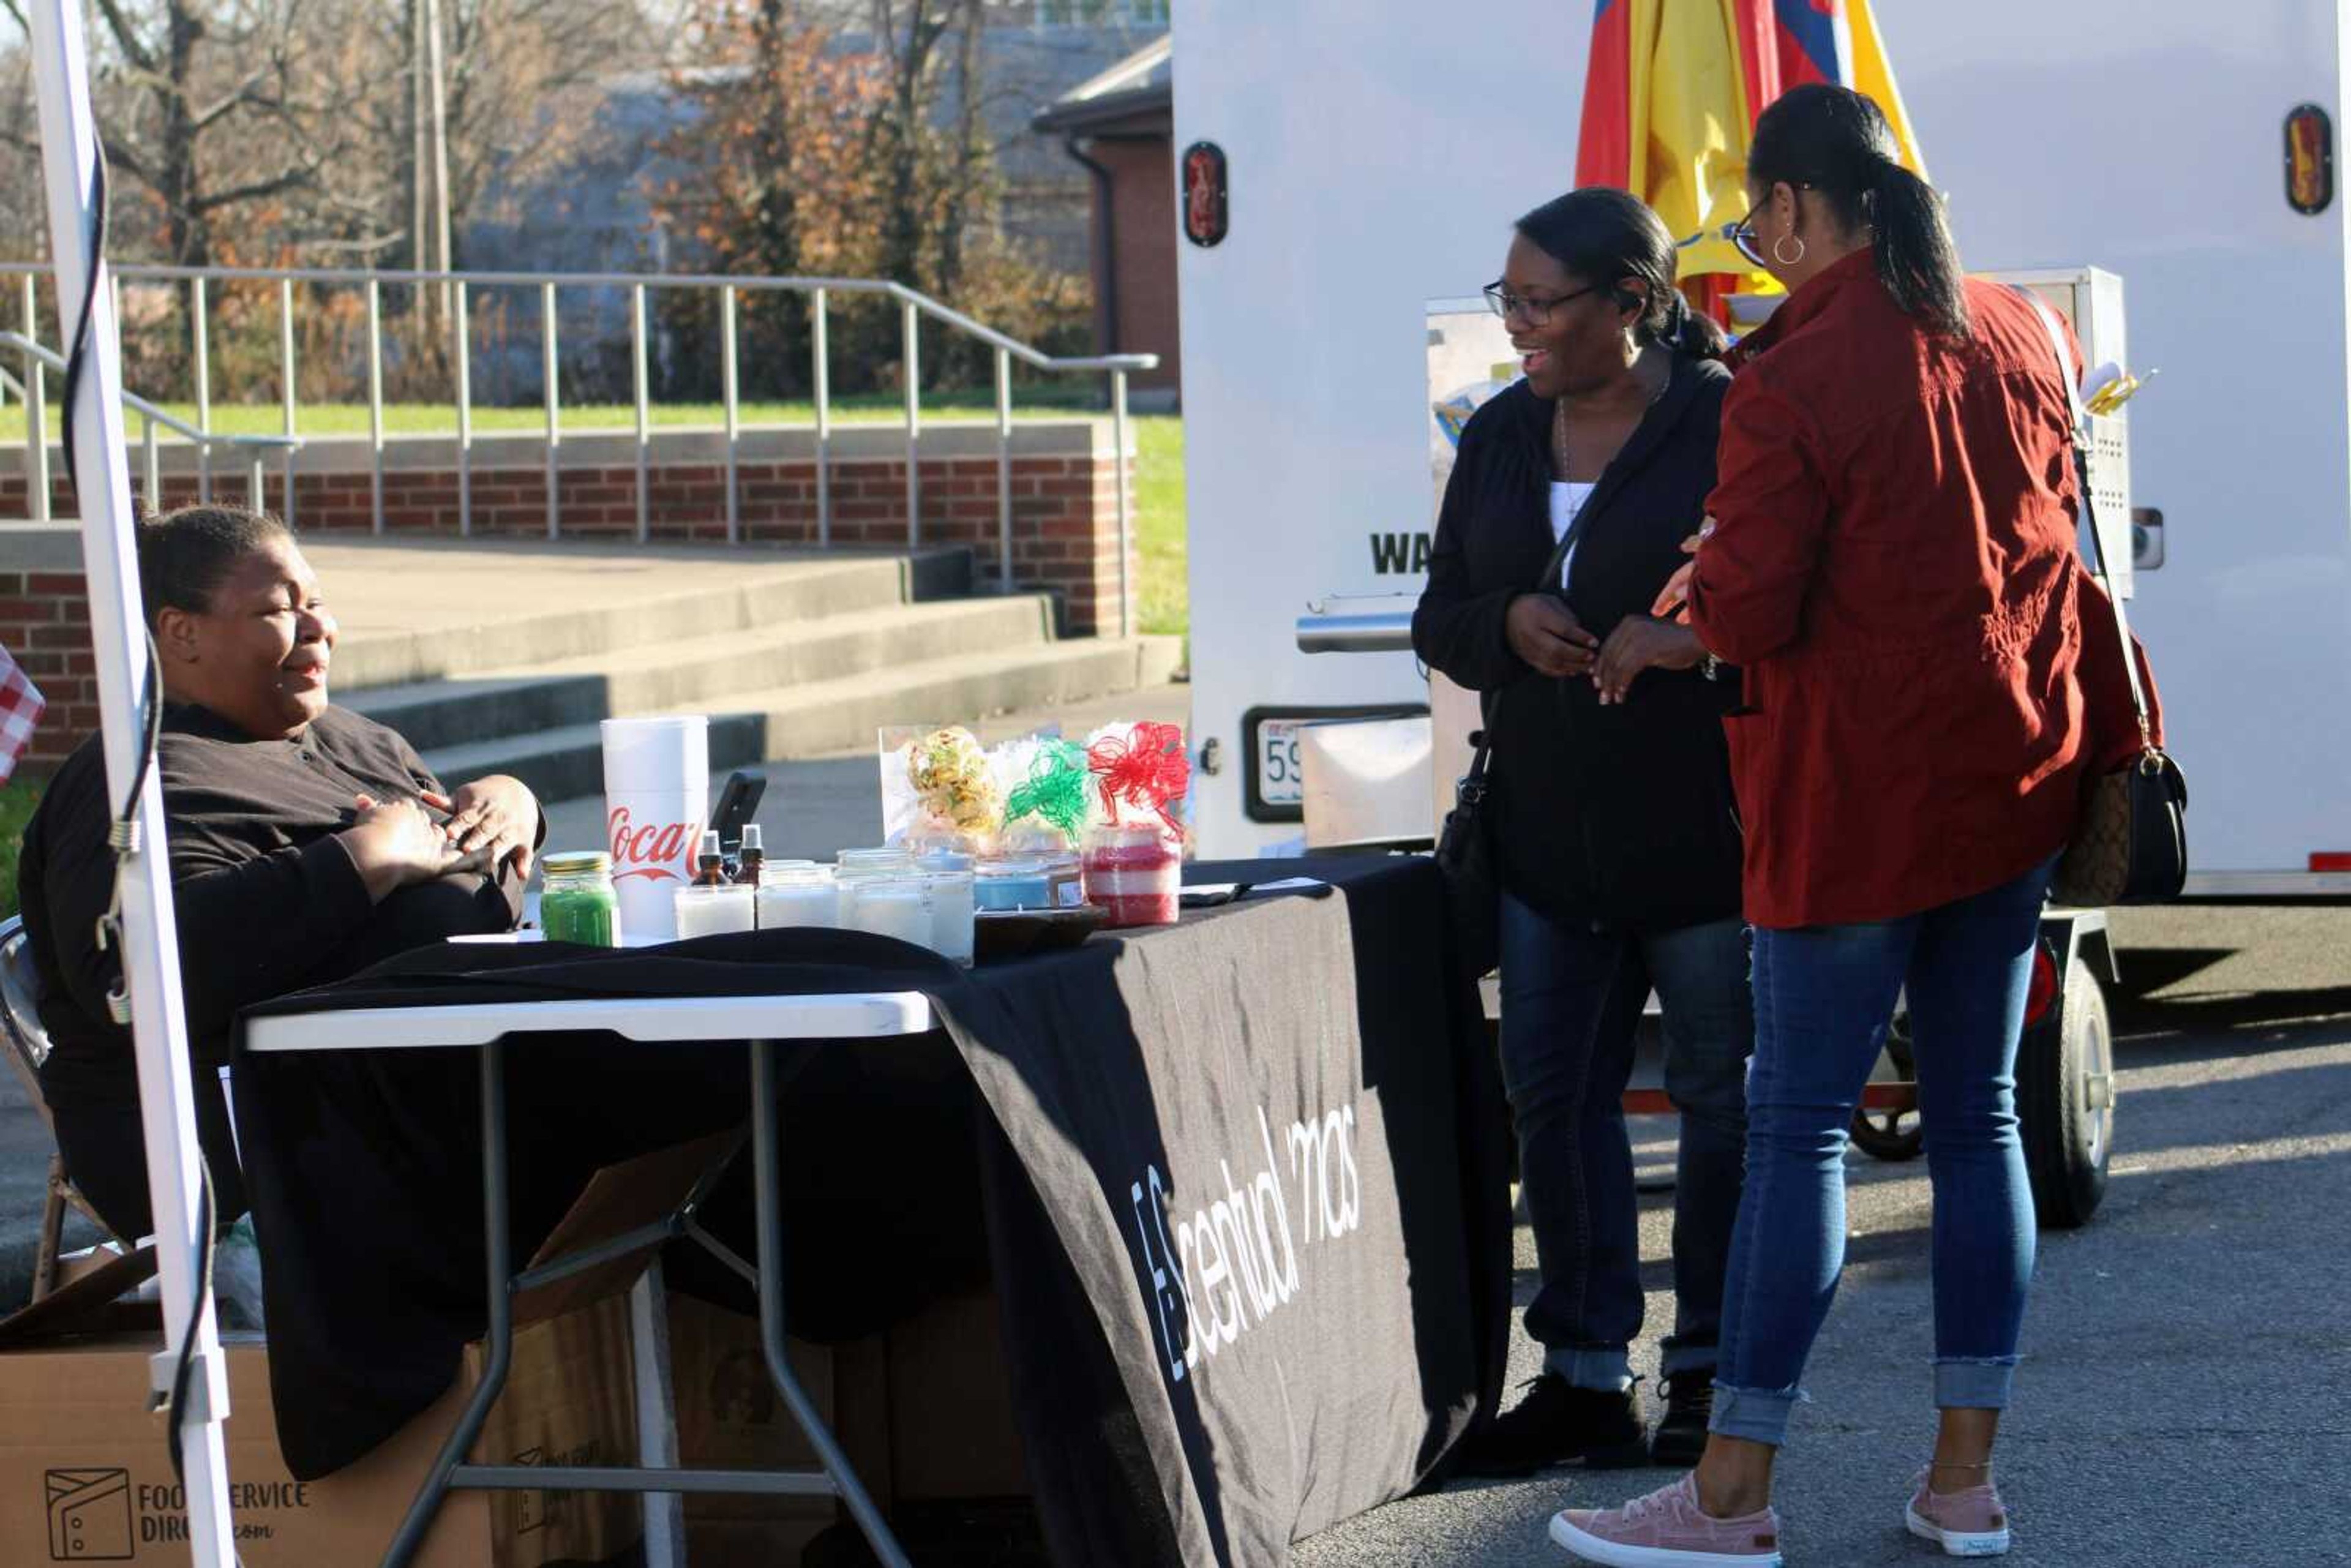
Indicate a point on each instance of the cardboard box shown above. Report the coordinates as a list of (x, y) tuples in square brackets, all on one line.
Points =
[(85, 1476), (952, 1433), (924, 1411), (729, 1416)]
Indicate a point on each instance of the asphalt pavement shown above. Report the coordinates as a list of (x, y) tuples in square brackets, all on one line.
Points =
[(2189, 1353)]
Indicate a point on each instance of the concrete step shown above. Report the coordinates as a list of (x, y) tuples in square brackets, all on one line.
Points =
[(839, 714), (696, 673), (501, 636)]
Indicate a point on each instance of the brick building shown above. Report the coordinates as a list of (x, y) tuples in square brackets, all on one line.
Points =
[(1120, 127)]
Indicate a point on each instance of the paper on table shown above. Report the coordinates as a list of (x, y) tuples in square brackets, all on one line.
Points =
[(1241, 889)]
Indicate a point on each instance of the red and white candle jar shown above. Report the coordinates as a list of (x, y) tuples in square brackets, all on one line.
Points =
[(1134, 873)]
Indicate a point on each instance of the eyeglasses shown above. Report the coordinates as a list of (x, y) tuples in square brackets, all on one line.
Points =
[(1743, 235), (1534, 312)]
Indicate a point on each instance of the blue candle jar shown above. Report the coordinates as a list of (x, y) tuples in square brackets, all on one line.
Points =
[(1013, 884)]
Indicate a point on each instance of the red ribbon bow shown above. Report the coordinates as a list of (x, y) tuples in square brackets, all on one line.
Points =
[(1147, 769)]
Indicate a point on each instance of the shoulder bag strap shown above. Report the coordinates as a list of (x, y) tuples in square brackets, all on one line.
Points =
[(2081, 424), (1476, 777)]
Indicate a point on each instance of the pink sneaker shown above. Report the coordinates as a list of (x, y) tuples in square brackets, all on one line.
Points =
[(1667, 1530), (1970, 1523)]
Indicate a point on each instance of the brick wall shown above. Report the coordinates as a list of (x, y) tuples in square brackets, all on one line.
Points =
[(45, 624), (1144, 230), (1064, 505), (1064, 515)]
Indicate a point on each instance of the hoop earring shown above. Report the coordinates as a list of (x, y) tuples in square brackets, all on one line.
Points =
[(1795, 260)]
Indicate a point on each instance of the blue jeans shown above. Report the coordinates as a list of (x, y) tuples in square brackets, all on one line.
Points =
[(1822, 998), (1571, 1001)]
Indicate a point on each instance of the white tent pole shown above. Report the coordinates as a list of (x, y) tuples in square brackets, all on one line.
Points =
[(150, 953)]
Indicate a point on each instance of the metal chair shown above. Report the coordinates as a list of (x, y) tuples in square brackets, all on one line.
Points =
[(28, 1046)]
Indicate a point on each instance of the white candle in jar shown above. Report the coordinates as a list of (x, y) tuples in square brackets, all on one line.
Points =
[(808, 901), (899, 907), (709, 911), (953, 915)]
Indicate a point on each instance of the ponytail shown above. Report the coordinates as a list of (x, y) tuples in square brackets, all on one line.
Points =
[(1837, 143), (1916, 259)]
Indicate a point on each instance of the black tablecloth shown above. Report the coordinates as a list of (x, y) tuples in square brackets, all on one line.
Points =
[(1240, 1182)]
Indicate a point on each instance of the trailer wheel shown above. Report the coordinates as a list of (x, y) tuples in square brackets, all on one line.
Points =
[(2066, 1102), (1894, 1132)]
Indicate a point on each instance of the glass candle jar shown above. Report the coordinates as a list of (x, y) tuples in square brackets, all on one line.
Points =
[(954, 916), (708, 910), (798, 894), (853, 867), (1136, 874), (1065, 880), (578, 904), (1013, 883), (891, 903)]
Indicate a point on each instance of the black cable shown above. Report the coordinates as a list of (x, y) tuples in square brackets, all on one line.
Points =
[(182, 1373), (78, 341)]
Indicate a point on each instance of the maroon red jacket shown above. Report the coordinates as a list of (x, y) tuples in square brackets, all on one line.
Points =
[(1893, 565)]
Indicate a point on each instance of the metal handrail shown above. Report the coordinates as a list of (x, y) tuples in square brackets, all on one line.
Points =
[(947, 315), (140, 405), (913, 304), (33, 391)]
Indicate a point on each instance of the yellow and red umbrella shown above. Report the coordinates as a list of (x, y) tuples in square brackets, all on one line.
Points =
[(1672, 94)]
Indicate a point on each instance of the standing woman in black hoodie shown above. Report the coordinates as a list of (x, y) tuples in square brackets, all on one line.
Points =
[(1610, 806)]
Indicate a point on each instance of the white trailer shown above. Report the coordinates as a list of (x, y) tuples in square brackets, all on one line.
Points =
[(1375, 155)]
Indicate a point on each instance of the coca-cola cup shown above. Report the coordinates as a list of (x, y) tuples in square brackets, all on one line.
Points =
[(656, 798)]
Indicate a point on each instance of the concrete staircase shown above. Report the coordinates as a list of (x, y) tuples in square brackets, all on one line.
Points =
[(790, 656)]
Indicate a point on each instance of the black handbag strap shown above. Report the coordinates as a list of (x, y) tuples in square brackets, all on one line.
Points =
[(2081, 447), (1476, 777)]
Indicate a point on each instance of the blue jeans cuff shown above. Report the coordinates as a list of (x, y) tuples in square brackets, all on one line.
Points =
[(1758, 1415), (1610, 1370), (1976, 1384)]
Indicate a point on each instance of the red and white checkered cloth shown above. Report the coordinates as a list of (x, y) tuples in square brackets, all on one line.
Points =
[(21, 703)]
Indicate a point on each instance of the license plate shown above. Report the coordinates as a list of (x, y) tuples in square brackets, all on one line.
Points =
[(1279, 781), (1274, 786)]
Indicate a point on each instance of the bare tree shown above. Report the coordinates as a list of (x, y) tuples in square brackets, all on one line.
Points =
[(908, 33), (203, 96), (23, 218)]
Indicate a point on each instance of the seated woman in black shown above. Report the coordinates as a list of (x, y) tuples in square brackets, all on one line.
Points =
[(306, 843)]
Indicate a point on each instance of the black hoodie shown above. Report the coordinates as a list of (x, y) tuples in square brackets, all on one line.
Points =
[(1619, 816)]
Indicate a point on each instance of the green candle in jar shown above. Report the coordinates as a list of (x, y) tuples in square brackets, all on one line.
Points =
[(578, 904)]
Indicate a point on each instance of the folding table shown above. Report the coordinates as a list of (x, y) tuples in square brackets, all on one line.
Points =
[(761, 1023)]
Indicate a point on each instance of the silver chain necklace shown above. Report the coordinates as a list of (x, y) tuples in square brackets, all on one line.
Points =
[(1559, 453)]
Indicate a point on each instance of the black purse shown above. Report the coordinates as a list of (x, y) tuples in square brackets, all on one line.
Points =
[(1465, 847), (2131, 843)]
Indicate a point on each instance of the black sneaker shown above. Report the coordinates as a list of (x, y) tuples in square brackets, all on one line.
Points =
[(1559, 1424), (1681, 1432)]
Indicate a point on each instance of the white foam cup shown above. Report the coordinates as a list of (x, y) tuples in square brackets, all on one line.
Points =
[(656, 800)]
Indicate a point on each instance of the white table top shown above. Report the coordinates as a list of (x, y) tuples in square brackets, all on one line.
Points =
[(853, 1016)]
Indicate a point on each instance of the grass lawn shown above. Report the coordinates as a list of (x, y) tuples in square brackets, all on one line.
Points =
[(1159, 522), (16, 803)]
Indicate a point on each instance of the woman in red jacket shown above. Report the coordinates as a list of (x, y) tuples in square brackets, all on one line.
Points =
[(1891, 562)]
